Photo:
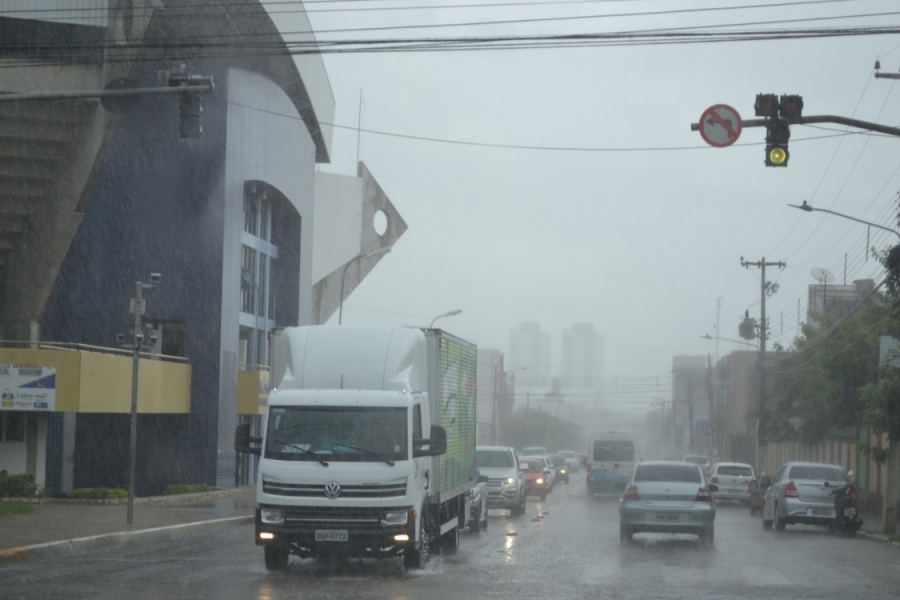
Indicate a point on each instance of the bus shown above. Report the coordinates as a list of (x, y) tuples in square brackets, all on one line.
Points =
[(611, 457)]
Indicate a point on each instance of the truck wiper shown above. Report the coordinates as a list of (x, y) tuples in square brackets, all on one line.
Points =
[(369, 452), (309, 452)]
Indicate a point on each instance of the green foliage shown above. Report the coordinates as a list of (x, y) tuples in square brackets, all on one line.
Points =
[(185, 488), (16, 509), (535, 428), (20, 486), (100, 493), (882, 400), (818, 387)]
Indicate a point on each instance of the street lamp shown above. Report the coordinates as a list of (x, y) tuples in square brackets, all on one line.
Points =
[(138, 307), (369, 254), (452, 313), (806, 207), (715, 337)]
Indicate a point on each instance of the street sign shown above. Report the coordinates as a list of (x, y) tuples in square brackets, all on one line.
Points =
[(720, 125)]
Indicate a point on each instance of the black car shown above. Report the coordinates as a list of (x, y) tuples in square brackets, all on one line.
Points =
[(559, 463)]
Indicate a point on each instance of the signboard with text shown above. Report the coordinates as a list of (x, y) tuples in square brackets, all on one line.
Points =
[(27, 387)]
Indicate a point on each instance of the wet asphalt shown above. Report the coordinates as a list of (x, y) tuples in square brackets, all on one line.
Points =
[(566, 547)]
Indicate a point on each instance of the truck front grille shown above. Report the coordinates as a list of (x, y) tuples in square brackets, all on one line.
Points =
[(305, 490)]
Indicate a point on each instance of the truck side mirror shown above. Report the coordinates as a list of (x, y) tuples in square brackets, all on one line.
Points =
[(438, 440), (436, 444), (243, 441)]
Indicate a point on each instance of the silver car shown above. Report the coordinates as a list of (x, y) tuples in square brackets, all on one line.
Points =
[(733, 481), (801, 493), (667, 497)]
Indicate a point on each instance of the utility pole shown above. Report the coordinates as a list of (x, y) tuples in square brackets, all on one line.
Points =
[(761, 423)]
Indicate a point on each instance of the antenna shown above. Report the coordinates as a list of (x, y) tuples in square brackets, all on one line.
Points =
[(822, 275)]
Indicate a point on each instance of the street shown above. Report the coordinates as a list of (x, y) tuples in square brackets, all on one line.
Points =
[(572, 552)]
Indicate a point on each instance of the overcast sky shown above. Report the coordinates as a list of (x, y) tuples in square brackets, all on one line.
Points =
[(639, 243)]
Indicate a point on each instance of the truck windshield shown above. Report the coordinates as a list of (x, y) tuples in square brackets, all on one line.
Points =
[(493, 458), (337, 434)]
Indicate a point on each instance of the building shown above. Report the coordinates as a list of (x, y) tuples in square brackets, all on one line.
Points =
[(582, 357), (227, 218), (494, 394), (691, 405), (737, 404), (839, 299), (529, 353)]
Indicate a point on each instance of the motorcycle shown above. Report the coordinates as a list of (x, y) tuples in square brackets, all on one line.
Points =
[(846, 520)]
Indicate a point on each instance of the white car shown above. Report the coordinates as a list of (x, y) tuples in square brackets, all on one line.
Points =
[(733, 481), (572, 461)]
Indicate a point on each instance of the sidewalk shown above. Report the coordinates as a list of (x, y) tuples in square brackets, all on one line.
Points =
[(57, 529)]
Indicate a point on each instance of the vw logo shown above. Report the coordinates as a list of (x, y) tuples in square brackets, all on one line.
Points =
[(332, 490)]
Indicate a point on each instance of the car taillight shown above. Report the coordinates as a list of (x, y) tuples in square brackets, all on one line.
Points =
[(631, 494), (714, 480), (589, 471), (791, 490), (703, 495)]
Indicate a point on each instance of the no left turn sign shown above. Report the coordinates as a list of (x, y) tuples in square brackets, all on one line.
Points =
[(720, 125)]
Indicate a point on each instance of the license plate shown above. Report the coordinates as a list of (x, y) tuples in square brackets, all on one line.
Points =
[(666, 517), (850, 512), (331, 535), (821, 512)]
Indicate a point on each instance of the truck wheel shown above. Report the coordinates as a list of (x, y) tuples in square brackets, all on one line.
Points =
[(415, 556), (485, 519), (519, 509), (276, 557)]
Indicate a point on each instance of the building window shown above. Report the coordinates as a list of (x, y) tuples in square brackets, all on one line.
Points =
[(261, 305), (248, 280), (12, 426), (251, 215), (264, 211)]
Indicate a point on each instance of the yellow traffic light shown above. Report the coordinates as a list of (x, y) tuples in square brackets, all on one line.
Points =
[(778, 156)]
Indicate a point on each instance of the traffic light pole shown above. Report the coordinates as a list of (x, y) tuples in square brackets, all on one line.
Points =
[(818, 119), (761, 426)]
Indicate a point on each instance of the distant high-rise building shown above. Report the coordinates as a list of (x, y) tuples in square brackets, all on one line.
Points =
[(582, 357), (529, 347)]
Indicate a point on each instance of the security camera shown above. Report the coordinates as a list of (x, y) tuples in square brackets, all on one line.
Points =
[(154, 336), (155, 278), (120, 338), (139, 337)]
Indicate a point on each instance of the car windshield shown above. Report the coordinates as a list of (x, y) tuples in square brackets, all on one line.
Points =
[(534, 451), (337, 434), (494, 458), (673, 473), (614, 450), (566, 454), (558, 460), (734, 470), (821, 473)]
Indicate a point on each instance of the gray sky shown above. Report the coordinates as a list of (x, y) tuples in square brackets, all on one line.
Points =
[(639, 243)]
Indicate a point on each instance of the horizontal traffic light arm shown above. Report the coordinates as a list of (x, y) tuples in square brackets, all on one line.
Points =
[(204, 88), (817, 119)]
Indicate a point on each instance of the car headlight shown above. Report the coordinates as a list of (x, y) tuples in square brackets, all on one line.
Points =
[(271, 516), (509, 481), (539, 481), (394, 518), (562, 471)]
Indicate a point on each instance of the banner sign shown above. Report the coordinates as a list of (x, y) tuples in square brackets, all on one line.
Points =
[(27, 387)]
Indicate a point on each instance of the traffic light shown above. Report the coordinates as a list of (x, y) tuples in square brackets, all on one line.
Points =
[(777, 111), (777, 136)]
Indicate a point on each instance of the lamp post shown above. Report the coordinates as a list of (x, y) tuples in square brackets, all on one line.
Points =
[(452, 313), (809, 208), (369, 254), (138, 308)]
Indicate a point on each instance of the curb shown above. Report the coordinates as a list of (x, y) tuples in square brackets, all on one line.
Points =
[(877, 537), (93, 543)]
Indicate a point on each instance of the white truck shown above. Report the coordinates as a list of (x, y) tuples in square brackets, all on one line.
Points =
[(369, 444)]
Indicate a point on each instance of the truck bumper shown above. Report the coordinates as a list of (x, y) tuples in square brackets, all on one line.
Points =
[(309, 533)]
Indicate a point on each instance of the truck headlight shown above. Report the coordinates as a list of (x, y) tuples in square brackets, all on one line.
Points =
[(509, 481), (394, 518), (271, 516), (539, 481), (562, 471)]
